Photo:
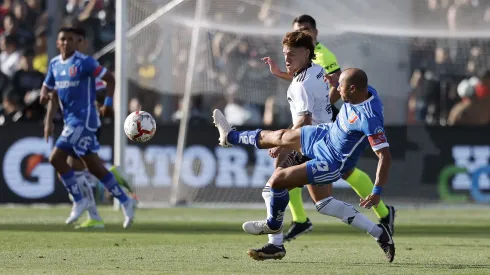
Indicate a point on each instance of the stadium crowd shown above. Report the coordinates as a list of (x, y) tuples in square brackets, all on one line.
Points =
[(438, 65)]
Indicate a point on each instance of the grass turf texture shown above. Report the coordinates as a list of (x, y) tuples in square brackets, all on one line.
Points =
[(211, 241)]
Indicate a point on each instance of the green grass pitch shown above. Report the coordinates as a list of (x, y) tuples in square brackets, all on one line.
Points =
[(211, 241)]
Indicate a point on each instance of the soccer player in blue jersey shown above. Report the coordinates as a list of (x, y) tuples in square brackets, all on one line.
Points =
[(86, 180), (72, 76), (334, 150)]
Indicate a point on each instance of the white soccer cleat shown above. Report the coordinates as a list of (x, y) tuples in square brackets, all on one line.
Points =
[(223, 127), (128, 209), (259, 228), (77, 210)]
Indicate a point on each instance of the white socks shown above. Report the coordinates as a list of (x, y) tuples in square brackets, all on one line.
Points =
[(275, 239), (349, 215), (88, 194)]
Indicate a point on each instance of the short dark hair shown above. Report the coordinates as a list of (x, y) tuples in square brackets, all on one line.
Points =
[(305, 18), (357, 77), (69, 29), (11, 40), (300, 39), (29, 52)]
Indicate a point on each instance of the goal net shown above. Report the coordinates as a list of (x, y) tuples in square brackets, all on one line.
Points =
[(389, 39)]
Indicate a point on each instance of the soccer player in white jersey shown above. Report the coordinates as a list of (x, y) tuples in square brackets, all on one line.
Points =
[(332, 149), (72, 76)]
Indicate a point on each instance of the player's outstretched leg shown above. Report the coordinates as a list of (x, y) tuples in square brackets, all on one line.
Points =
[(259, 138), (67, 175), (327, 205), (362, 184), (96, 168)]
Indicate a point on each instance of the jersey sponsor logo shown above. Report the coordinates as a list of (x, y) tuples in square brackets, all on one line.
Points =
[(73, 71), (319, 75), (66, 84), (63, 73), (353, 117), (377, 139)]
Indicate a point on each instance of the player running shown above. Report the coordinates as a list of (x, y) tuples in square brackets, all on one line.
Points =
[(72, 76), (334, 150), (86, 180), (357, 179)]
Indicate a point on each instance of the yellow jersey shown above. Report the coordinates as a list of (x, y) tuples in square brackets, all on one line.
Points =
[(326, 59)]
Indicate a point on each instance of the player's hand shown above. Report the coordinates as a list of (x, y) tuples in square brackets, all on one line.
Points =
[(106, 111), (272, 65), (370, 201), (274, 152), (332, 79), (44, 98), (48, 129)]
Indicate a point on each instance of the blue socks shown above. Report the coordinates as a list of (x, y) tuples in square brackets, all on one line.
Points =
[(244, 137), (70, 182), (279, 201), (111, 184)]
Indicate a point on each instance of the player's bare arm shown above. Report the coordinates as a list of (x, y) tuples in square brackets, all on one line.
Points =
[(384, 163), (275, 69), (333, 81), (45, 95), (106, 109), (52, 109)]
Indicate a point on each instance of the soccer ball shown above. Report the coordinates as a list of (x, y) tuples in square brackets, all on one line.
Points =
[(140, 126)]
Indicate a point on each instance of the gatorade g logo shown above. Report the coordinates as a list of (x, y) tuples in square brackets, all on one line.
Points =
[(25, 170), (471, 171)]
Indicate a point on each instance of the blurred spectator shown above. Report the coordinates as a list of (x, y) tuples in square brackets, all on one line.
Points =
[(11, 26), (40, 61), (27, 79), (483, 87), (197, 117), (10, 55), (237, 113), (471, 110), (11, 108)]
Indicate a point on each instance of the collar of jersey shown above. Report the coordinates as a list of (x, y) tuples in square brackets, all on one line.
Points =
[(365, 101), (68, 59), (302, 70)]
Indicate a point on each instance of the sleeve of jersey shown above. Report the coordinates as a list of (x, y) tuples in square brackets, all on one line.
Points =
[(375, 131), (49, 81), (302, 100), (330, 63), (94, 68)]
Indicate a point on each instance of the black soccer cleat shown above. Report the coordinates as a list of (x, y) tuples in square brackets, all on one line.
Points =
[(268, 252), (386, 243), (389, 221), (297, 229)]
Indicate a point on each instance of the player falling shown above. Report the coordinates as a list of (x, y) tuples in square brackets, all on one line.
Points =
[(85, 180), (333, 150), (72, 76), (359, 181)]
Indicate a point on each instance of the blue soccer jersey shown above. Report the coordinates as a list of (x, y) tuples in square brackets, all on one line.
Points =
[(74, 79), (336, 149)]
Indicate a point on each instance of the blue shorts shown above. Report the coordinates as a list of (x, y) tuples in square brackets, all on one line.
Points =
[(78, 141), (322, 168)]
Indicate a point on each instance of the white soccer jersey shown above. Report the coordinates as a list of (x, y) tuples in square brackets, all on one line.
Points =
[(308, 94)]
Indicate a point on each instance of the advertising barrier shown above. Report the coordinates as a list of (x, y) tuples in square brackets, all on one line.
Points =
[(429, 164)]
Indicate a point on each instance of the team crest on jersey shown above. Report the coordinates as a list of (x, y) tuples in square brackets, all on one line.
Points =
[(353, 117), (73, 71)]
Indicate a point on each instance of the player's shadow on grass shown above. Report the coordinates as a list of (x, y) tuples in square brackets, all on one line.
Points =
[(180, 227)]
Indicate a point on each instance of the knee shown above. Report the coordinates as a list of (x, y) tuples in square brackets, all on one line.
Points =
[(276, 180), (55, 158)]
